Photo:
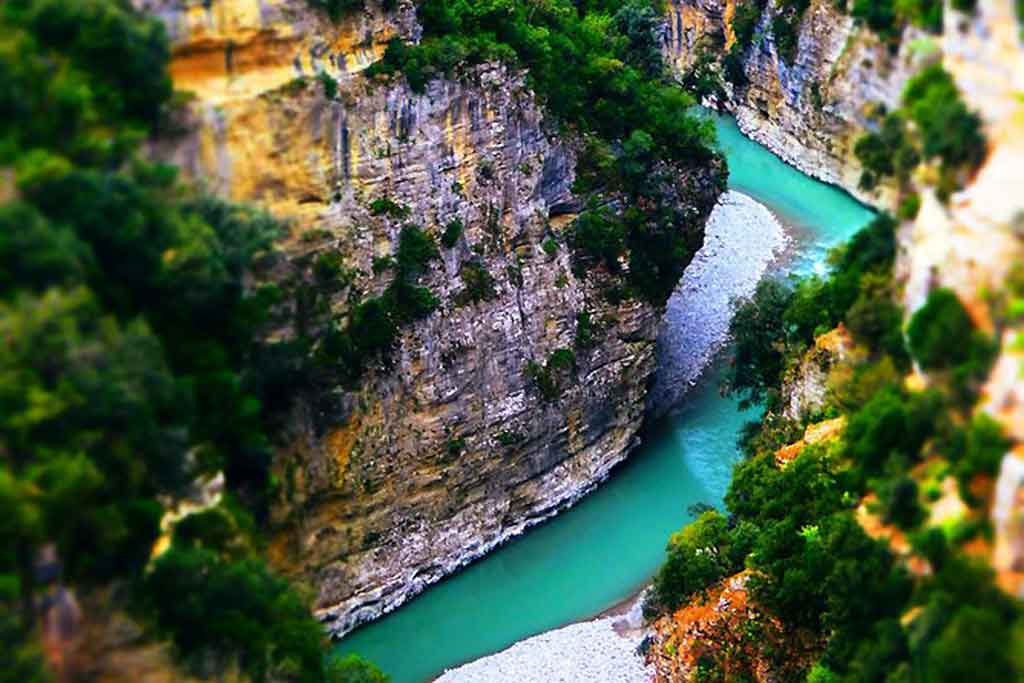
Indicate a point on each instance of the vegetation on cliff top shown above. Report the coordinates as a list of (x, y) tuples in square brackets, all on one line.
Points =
[(794, 525), (597, 67), (135, 361)]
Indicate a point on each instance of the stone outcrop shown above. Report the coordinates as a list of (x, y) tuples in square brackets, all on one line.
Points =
[(453, 449), (812, 111)]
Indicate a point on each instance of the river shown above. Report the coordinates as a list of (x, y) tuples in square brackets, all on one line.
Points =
[(608, 545)]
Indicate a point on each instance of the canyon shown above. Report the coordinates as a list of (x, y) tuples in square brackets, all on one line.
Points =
[(432, 462)]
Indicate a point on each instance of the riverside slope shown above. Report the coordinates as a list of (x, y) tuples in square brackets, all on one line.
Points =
[(428, 464)]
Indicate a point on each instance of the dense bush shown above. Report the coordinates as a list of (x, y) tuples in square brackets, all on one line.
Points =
[(891, 425), (944, 129), (888, 18), (452, 233), (479, 283), (700, 554), (977, 449), (947, 128), (943, 337), (776, 325), (336, 9), (759, 336), (786, 26), (549, 377)]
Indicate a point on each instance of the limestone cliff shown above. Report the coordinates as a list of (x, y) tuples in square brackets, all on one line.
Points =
[(810, 111), (433, 461), (974, 247)]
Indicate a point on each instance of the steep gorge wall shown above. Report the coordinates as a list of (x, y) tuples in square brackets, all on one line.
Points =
[(452, 450), (809, 112), (975, 245)]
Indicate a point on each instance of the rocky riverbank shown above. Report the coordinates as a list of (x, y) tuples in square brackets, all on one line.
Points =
[(604, 649), (742, 238)]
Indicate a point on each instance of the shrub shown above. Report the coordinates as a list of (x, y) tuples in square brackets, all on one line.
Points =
[(601, 236), (745, 19), (548, 377), (352, 669), (455, 447), (942, 336), (509, 438), (890, 425), (586, 331), (978, 449), (336, 9), (451, 234), (909, 207), (384, 206), (898, 497), (699, 555), (948, 129), (759, 335), (233, 610), (415, 250), (330, 85), (479, 283)]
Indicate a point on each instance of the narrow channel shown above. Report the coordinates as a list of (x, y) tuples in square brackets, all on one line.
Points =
[(610, 544)]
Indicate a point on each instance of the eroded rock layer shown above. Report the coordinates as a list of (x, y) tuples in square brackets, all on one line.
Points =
[(810, 110)]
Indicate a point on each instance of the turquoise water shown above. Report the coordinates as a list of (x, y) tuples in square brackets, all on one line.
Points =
[(608, 545)]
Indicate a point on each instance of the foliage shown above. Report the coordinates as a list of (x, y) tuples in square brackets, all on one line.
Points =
[(600, 236), (759, 338), (452, 233), (775, 325), (977, 449), (943, 337), (385, 206), (890, 425), (479, 283), (888, 18), (330, 85), (898, 498), (815, 569), (786, 26), (947, 128), (415, 250), (353, 669), (137, 357), (586, 331), (745, 19), (700, 554), (548, 378), (233, 609), (943, 129), (336, 9)]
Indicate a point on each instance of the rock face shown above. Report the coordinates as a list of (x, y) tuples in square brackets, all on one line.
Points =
[(453, 449), (973, 245), (809, 112)]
